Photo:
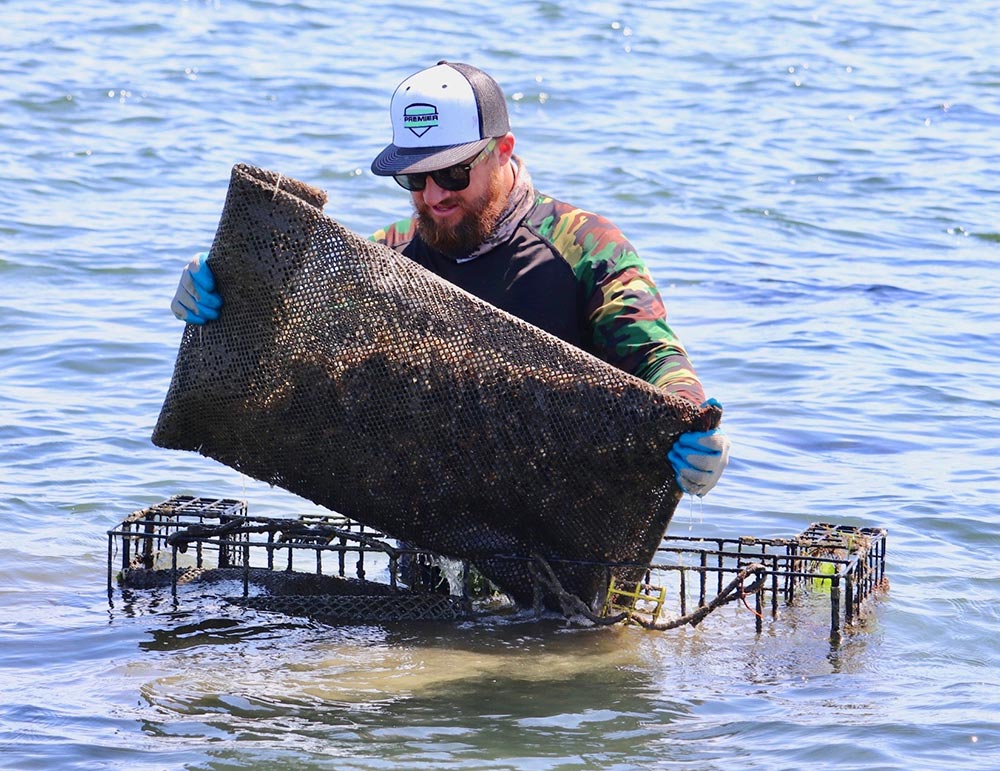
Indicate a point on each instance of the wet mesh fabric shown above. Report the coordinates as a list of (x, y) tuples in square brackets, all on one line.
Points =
[(342, 371)]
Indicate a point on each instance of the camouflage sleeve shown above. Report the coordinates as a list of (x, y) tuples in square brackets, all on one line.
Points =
[(628, 320), (398, 233)]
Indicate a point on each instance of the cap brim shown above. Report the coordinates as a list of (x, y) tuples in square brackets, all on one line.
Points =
[(413, 160)]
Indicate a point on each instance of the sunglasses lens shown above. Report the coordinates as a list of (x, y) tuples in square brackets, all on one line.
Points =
[(453, 178), (411, 182)]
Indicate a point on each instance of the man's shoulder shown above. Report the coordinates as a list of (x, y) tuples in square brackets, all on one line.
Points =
[(396, 235), (572, 231)]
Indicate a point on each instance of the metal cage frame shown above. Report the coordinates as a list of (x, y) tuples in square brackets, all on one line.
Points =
[(353, 572)]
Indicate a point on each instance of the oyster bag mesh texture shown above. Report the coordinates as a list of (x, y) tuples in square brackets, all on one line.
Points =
[(344, 372)]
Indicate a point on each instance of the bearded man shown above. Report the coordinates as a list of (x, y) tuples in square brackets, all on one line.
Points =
[(479, 222)]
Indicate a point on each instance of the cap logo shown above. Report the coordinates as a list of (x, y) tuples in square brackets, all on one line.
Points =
[(420, 118)]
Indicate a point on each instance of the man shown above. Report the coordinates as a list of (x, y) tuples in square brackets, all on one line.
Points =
[(479, 223)]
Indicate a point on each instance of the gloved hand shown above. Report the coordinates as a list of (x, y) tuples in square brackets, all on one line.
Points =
[(699, 458), (196, 300)]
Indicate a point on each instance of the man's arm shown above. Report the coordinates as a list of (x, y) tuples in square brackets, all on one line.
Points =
[(629, 329), (625, 313)]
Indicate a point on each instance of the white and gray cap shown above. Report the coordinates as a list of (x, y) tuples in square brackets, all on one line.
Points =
[(441, 116)]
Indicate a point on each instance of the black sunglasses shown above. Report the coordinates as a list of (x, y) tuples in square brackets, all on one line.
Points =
[(453, 179)]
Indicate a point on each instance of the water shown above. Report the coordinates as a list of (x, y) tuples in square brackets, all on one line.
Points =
[(813, 187)]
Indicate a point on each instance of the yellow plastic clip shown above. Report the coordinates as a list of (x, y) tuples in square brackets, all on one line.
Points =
[(641, 600)]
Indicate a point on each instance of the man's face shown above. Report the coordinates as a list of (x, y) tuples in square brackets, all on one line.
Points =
[(456, 222)]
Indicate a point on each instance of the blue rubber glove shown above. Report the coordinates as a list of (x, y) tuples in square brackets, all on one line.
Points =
[(699, 458), (196, 300)]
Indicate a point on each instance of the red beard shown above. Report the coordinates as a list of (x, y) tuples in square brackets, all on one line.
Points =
[(477, 219)]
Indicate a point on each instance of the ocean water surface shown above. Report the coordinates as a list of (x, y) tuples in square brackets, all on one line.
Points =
[(814, 188)]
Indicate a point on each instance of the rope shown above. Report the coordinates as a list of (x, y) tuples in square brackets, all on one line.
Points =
[(573, 607), (734, 590)]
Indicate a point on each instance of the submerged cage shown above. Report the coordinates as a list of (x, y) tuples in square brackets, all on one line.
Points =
[(332, 568), (842, 563), (328, 567)]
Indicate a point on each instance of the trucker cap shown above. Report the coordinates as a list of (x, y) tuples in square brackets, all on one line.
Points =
[(441, 116)]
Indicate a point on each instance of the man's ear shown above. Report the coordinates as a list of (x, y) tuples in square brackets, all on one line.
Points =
[(505, 146)]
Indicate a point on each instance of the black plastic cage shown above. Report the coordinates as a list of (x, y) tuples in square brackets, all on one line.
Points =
[(336, 569)]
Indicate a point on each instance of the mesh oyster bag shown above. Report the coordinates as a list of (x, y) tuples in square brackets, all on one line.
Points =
[(349, 375)]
